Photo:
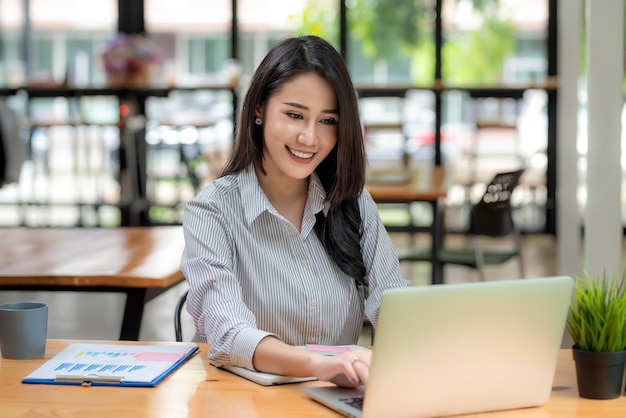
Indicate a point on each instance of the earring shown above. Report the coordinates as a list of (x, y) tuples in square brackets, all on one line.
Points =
[(258, 121)]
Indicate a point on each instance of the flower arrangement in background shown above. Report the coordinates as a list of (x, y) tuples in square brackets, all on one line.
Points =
[(130, 60)]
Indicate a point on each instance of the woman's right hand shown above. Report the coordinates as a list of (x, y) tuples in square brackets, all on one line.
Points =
[(350, 369)]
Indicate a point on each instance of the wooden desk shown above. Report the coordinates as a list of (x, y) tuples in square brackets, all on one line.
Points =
[(427, 184), (142, 262), (200, 390)]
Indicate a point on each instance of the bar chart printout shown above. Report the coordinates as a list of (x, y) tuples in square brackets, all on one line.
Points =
[(134, 365)]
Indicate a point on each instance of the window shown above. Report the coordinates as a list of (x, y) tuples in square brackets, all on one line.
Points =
[(503, 41), (194, 37), (68, 35), (391, 42), (11, 62)]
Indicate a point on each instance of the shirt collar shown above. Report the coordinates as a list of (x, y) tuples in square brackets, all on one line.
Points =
[(255, 202)]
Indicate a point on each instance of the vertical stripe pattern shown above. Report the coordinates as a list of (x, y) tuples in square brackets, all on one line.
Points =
[(252, 273)]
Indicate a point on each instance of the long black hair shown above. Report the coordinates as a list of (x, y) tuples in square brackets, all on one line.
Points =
[(342, 172)]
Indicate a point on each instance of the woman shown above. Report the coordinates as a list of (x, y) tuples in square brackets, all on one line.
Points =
[(285, 248)]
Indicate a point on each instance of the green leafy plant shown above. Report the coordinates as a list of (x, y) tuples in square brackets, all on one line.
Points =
[(597, 320)]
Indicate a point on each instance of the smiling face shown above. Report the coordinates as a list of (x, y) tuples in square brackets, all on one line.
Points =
[(299, 126)]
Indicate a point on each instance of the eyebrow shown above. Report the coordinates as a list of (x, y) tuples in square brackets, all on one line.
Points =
[(303, 107)]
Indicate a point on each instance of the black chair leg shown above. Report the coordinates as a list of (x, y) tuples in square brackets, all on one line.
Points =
[(178, 329)]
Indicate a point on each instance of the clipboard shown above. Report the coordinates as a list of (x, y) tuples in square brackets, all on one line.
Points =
[(111, 365)]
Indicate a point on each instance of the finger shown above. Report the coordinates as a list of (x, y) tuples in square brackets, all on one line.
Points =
[(362, 370), (364, 355), (343, 381), (351, 372), (360, 361)]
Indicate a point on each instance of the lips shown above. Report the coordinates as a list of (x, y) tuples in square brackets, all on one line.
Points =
[(300, 154)]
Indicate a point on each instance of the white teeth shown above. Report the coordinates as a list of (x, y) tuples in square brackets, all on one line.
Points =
[(301, 154)]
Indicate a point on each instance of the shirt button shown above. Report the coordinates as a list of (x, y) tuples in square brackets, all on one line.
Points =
[(314, 302), (304, 263)]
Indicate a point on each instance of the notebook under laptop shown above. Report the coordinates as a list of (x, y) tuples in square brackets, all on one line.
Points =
[(265, 379), (461, 348)]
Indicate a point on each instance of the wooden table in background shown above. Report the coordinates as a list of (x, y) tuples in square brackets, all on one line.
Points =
[(426, 184), (141, 262), (198, 389)]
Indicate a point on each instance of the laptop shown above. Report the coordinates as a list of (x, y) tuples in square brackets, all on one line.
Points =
[(460, 348)]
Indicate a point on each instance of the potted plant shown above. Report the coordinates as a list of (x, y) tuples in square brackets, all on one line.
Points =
[(597, 325), (130, 60)]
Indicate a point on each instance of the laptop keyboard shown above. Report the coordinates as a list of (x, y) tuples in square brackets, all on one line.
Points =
[(355, 402)]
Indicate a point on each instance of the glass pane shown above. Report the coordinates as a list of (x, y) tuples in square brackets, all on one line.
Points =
[(390, 49), (193, 36), (263, 24), (501, 44), (494, 41), (193, 126), (321, 18), (67, 38), (391, 42), (11, 60)]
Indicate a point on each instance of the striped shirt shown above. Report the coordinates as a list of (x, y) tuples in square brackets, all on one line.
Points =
[(252, 274)]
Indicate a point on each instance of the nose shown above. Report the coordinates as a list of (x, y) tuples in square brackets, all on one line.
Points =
[(308, 136)]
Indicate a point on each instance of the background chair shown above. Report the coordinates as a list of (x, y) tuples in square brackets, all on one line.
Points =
[(178, 328), (490, 217)]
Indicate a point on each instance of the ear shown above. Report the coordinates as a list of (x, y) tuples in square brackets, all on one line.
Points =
[(258, 112)]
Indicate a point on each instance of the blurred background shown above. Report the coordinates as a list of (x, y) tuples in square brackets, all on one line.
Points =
[(117, 112), (60, 84)]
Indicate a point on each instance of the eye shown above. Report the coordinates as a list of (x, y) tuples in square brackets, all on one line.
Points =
[(294, 115), (329, 121)]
